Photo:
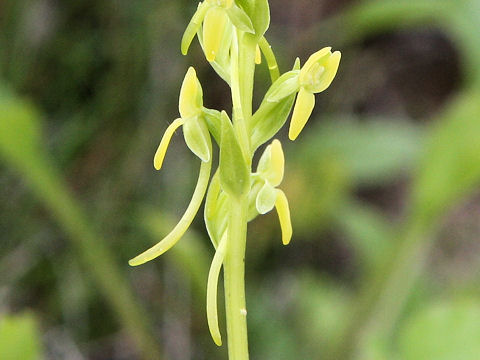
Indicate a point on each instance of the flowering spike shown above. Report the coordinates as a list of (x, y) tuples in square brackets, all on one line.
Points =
[(212, 287), (301, 112), (213, 27), (231, 34), (162, 148), (283, 212)]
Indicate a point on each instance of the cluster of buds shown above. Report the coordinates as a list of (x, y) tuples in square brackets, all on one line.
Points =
[(223, 27)]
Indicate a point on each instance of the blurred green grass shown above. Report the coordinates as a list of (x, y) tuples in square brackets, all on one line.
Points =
[(385, 170)]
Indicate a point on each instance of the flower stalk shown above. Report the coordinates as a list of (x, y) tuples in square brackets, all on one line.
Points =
[(231, 34)]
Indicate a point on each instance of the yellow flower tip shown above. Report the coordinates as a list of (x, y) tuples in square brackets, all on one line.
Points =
[(301, 112), (258, 55), (210, 56), (218, 341), (283, 211), (278, 163), (319, 70), (162, 148), (213, 28), (191, 97)]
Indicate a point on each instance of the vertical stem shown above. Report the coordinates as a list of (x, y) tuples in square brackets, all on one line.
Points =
[(242, 74), (234, 277)]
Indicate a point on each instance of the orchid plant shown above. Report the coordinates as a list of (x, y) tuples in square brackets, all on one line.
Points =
[(231, 34)]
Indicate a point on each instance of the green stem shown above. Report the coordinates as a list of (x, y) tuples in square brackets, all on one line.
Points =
[(242, 74), (234, 277)]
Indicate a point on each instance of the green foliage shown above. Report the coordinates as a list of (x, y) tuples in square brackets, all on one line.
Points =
[(20, 337), (450, 168), (442, 330), (19, 131)]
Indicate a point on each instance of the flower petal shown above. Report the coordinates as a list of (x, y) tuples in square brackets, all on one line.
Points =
[(301, 112), (266, 198), (213, 28), (331, 68), (283, 212), (162, 148), (315, 58)]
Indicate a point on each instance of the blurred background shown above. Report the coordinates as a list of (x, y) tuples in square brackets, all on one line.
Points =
[(383, 186)]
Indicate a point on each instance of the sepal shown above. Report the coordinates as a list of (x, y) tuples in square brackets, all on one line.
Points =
[(190, 101), (194, 25)]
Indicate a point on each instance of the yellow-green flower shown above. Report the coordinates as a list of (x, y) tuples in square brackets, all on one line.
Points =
[(195, 130), (270, 169), (315, 76)]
